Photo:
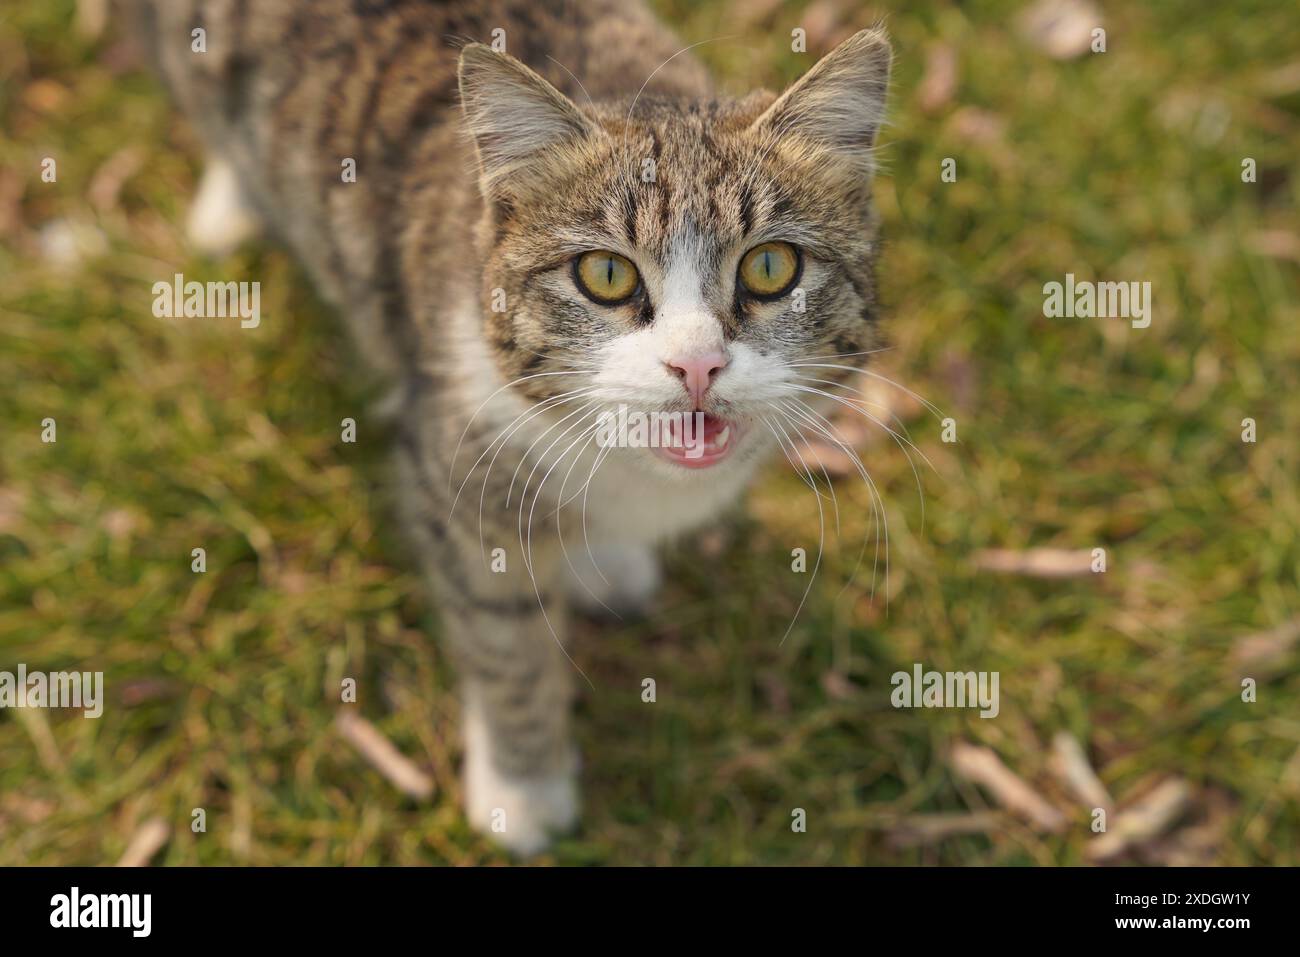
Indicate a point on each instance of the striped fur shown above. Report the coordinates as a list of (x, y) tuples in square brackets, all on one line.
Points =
[(460, 208)]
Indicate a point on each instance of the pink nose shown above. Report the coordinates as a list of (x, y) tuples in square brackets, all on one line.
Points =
[(698, 372)]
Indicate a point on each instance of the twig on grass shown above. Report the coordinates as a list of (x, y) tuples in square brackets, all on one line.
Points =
[(401, 772)]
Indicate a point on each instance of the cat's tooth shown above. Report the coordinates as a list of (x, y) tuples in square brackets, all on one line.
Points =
[(720, 440)]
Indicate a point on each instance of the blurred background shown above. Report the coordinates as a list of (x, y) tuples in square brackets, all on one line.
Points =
[(1121, 689)]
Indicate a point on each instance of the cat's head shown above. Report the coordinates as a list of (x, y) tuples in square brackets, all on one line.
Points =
[(673, 256)]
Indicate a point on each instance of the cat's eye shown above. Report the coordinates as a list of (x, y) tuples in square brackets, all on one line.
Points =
[(606, 277), (769, 270)]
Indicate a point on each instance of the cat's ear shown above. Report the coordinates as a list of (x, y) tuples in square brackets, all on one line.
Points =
[(512, 113), (839, 104)]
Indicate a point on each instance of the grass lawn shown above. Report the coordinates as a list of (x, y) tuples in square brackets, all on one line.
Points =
[(1073, 434)]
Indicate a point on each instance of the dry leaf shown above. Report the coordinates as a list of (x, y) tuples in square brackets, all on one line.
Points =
[(1199, 842), (1275, 243), (939, 82), (1143, 820), (918, 829), (1036, 562), (979, 126), (400, 771), (821, 21), (1061, 28), (746, 14), (1070, 764), (1266, 647), (982, 766), (1283, 81), (145, 843), (119, 523)]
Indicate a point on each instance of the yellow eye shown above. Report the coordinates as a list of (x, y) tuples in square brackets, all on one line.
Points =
[(769, 269), (606, 277)]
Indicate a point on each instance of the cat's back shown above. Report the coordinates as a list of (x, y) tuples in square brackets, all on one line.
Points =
[(392, 63)]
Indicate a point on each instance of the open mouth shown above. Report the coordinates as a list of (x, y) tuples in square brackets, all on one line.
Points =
[(700, 441)]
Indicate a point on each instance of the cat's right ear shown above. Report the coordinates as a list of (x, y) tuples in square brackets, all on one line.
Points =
[(838, 105), (513, 114)]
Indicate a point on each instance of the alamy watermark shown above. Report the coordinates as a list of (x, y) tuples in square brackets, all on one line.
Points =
[(1098, 300), (133, 912), (946, 689), (55, 689), (212, 300), (622, 428)]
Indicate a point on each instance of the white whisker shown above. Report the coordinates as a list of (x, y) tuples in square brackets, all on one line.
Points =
[(877, 499), (821, 541), (451, 469)]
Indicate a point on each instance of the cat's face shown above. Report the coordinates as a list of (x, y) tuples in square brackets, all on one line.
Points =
[(671, 257)]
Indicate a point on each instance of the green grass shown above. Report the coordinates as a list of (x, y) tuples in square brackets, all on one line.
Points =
[(1073, 434)]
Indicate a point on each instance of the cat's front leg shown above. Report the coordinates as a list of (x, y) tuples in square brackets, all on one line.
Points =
[(505, 623), (508, 634), (516, 686), (613, 578), (520, 772)]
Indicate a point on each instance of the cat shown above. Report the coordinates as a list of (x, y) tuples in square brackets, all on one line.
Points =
[(522, 236)]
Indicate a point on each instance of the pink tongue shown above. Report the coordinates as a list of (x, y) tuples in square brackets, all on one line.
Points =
[(712, 426)]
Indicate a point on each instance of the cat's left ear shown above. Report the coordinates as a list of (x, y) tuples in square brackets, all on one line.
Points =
[(839, 104), (513, 114)]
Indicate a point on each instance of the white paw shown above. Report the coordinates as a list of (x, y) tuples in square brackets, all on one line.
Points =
[(520, 814), (220, 218), (622, 579)]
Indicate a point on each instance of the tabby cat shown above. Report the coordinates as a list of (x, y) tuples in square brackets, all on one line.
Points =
[(522, 234)]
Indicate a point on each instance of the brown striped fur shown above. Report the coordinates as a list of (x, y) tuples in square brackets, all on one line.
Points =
[(455, 210)]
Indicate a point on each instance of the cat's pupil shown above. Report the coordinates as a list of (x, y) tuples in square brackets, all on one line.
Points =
[(767, 264), (609, 272)]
